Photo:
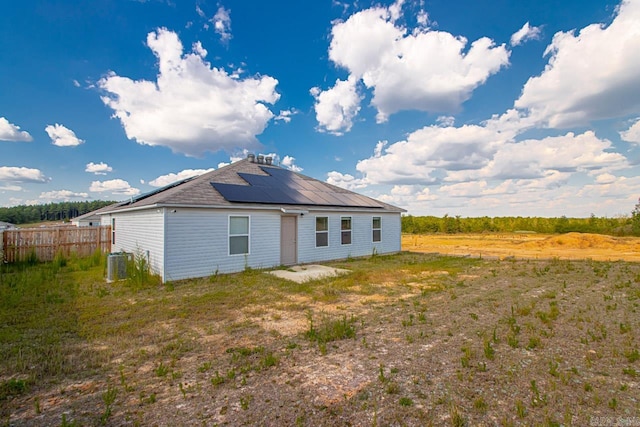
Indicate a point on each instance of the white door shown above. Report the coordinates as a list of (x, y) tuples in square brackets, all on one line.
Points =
[(288, 240)]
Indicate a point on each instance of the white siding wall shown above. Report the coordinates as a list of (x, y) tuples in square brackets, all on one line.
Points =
[(361, 236), (139, 232), (197, 242), (192, 243)]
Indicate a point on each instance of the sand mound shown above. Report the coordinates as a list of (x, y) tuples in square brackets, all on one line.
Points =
[(577, 241)]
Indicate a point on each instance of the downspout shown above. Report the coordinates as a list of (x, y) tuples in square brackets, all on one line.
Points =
[(164, 244)]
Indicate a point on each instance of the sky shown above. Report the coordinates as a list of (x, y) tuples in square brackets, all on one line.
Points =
[(457, 107)]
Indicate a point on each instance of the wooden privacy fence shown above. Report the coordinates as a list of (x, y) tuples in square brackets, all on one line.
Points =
[(18, 244)]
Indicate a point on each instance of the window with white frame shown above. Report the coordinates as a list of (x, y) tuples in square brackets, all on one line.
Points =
[(322, 231), (345, 230), (113, 231), (238, 235), (376, 227)]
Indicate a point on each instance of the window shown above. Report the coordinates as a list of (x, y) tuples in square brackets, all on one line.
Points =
[(376, 226), (113, 231), (322, 231), (238, 235), (345, 230)]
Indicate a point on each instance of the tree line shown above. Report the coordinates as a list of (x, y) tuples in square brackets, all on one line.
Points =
[(622, 226), (26, 214)]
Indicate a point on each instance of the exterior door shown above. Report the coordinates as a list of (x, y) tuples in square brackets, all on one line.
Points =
[(289, 240)]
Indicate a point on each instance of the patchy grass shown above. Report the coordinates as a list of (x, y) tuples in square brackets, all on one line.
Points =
[(387, 344)]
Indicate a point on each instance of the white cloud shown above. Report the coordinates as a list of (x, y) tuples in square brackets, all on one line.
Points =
[(346, 181), (423, 70), (22, 174), (170, 178), (527, 32), (446, 121), (62, 136), (633, 133), (285, 115), (289, 163), (537, 158), (191, 108), (61, 196), (10, 187), (98, 168), (11, 132), (114, 186), (605, 178), (417, 159), (222, 23), (423, 18), (377, 152), (592, 75), (336, 107)]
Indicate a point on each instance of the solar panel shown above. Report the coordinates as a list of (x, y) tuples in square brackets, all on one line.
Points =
[(282, 186)]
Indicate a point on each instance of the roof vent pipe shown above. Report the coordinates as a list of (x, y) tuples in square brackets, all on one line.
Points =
[(268, 160), (251, 157), (260, 158)]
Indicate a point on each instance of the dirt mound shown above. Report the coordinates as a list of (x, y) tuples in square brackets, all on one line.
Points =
[(577, 241)]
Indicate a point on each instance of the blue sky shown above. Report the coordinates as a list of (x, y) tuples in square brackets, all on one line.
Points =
[(469, 108)]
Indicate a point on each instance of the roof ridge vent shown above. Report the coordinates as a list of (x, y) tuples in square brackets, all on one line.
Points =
[(268, 160), (251, 157), (260, 159)]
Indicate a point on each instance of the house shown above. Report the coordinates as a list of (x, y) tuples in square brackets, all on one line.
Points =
[(6, 225), (250, 213), (90, 219)]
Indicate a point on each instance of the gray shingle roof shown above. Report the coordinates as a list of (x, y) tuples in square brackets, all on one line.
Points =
[(200, 191)]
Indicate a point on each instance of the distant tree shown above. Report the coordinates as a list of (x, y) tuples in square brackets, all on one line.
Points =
[(635, 219), (25, 214)]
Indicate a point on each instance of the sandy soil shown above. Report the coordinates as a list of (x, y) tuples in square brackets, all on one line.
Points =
[(565, 246)]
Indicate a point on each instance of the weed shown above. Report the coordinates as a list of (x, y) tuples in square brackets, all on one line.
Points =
[(269, 360), (392, 388), (588, 387), (405, 401), (632, 355), (331, 329), (408, 322), (630, 371), (613, 403), (381, 376), (489, 351), (66, 423), (161, 370), (217, 379), (204, 367), (457, 419), (108, 397), (468, 354), (534, 342), (537, 399), (13, 387), (480, 405), (521, 410), (245, 401)]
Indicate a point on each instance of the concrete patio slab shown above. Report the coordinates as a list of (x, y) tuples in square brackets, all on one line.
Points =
[(304, 273)]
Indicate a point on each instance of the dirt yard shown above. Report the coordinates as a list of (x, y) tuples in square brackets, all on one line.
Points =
[(413, 339)]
